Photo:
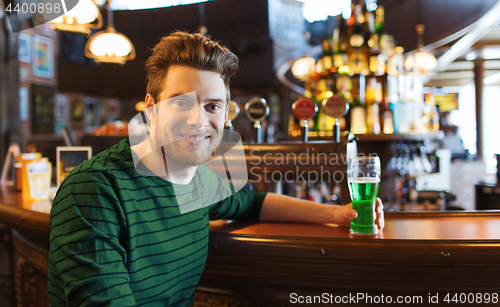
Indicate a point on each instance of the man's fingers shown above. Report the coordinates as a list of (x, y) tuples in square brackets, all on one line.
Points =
[(380, 214), (350, 213)]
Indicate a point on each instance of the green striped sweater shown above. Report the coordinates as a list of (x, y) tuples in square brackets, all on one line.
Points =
[(117, 238)]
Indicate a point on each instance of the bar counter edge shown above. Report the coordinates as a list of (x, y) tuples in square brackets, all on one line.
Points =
[(264, 264)]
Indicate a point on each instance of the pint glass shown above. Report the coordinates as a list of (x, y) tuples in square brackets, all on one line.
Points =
[(363, 177)]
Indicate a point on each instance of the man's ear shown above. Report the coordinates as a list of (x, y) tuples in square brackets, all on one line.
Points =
[(150, 108)]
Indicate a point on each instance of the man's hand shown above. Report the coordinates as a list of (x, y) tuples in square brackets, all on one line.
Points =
[(344, 214), (280, 208)]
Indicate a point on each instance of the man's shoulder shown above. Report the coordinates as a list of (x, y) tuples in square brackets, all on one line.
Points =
[(116, 158), (115, 162)]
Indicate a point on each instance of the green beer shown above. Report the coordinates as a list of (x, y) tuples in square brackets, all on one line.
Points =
[(364, 192)]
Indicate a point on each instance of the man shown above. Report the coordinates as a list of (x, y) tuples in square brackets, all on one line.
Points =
[(130, 226)]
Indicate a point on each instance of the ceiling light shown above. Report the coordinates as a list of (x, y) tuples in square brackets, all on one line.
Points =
[(109, 46), (421, 61), (78, 19), (303, 67)]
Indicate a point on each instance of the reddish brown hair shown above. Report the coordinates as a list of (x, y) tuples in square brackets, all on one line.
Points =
[(191, 50)]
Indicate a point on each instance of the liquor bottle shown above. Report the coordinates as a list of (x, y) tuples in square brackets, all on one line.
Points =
[(340, 44), (322, 90), (386, 115), (340, 37), (326, 58), (377, 60), (373, 41), (403, 108), (387, 119), (358, 107), (373, 89), (380, 27), (397, 61), (357, 38), (369, 28), (373, 97), (344, 85), (358, 51), (358, 117), (373, 118), (344, 89)]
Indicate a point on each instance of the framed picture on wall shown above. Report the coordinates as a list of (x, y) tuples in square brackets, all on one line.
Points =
[(43, 57), (42, 109), (24, 47)]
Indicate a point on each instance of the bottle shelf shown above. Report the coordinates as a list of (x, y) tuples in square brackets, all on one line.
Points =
[(327, 135)]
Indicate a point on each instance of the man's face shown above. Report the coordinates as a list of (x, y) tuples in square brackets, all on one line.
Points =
[(190, 116)]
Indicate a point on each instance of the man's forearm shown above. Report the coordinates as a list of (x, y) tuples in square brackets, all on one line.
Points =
[(280, 208)]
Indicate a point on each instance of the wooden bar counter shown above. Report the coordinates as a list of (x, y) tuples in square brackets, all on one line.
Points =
[(277, 264)]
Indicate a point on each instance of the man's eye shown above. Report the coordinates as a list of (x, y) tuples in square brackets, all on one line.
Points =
[(180, 103), (213, 107)]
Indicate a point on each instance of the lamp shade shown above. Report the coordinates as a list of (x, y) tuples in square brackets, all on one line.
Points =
[(110, 46), (77, 19), (421, 61), (303, 67)]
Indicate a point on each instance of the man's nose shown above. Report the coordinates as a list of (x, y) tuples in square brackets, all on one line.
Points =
[(197, 117)]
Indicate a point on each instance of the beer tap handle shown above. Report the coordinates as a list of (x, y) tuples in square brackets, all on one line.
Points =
[(257, 110), (304, 109), (305, 131), (336, 107), (336, 131), (258, 129)]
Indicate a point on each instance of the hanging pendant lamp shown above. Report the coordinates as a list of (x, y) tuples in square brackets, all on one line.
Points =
[(109, 46), (82, 18), (421, 61)]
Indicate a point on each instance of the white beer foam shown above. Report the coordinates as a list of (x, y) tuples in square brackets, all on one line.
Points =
[(364, 180)]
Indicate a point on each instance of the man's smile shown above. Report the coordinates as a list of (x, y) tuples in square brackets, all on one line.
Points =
[(196, 139)]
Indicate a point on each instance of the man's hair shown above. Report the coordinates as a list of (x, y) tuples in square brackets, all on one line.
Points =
[(191, 50)]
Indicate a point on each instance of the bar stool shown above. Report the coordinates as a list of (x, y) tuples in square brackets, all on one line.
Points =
[(6, 264)]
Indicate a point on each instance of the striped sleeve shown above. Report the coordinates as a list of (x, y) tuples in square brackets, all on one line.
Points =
[(86, 256)]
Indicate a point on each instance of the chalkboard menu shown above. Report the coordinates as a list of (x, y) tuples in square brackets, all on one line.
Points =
[(42, 109)]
